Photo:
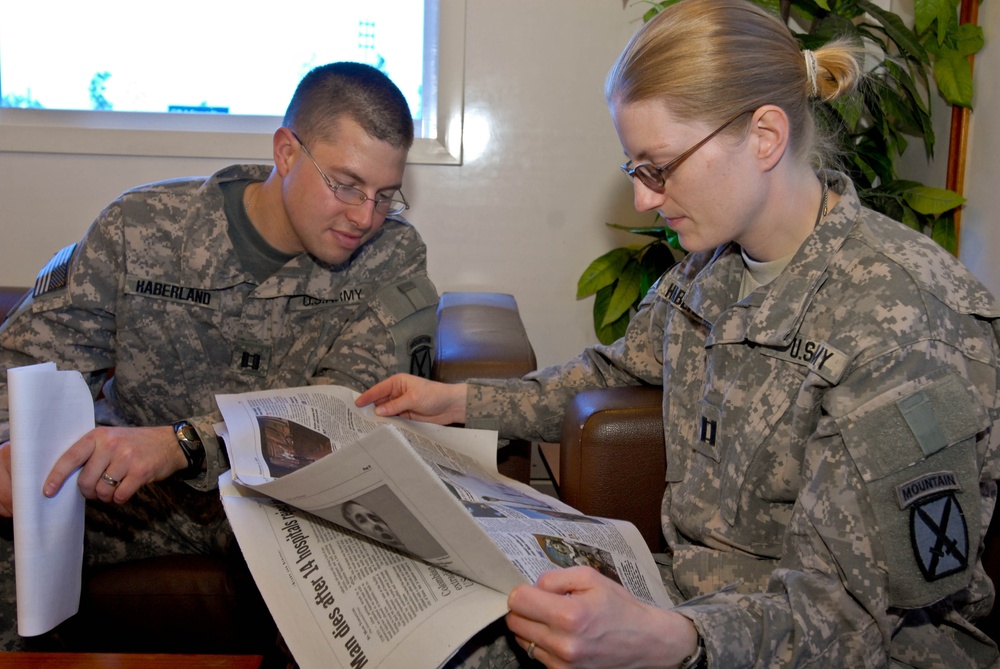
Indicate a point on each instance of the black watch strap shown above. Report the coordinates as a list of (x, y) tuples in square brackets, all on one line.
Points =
[(193, 449)]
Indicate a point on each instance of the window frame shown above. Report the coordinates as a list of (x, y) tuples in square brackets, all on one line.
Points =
[(240, 137)]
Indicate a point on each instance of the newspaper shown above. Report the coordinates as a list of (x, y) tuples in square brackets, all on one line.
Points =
[(389, 542)]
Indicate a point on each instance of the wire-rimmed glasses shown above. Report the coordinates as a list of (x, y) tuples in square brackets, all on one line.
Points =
[(352, 195), (654, 177)]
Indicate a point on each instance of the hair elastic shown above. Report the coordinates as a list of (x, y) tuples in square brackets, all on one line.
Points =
[(811, 71)]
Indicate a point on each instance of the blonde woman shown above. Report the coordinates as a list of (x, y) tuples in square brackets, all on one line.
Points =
[(830, 382)]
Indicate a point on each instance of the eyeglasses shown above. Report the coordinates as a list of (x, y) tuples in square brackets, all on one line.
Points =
[(351, 195), (655, 178)]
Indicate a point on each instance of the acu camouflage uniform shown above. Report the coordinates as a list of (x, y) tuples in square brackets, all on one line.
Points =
[(831, 461), (156, 292)]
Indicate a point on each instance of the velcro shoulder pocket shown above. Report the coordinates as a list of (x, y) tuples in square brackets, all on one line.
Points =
[(917, 457), (409, 310)]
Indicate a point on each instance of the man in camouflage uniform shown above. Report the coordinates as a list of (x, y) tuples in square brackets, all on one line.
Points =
[(253, 278), (831, 458)]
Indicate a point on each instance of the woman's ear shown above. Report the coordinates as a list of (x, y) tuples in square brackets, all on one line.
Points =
[(769, 132), (283, 146)]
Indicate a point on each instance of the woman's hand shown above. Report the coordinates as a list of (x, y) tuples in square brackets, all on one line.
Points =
[(576, 617), (132, 456), (417, 399)]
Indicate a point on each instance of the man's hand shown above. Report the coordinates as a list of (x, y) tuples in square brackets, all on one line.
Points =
[(6, 488), (417, 399), (577, 617), (134, 456)]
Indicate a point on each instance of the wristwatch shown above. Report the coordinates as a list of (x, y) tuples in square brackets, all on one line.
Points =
[(698, 659), (193, 449)]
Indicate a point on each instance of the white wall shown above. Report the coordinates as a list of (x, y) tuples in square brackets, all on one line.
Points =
[(525, 216), (980, 240)]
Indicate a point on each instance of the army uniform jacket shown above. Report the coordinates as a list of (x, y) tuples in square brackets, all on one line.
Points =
[(155, 291), (831, 462)]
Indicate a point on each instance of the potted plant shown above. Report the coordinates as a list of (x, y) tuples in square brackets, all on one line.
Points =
[(874, 127)]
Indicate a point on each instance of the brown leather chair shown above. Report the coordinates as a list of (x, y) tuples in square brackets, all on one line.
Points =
[(612, 464), (10, 296), (203, 604), (480, 335)]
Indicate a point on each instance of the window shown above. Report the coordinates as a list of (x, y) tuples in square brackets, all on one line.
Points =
[(180, 90)]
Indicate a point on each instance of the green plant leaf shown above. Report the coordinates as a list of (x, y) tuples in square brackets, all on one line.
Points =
[(613, 332), (926, 12), (932, 201), (850, 109), (601, 300), (947, 22), (913, 94), (657, 259), (953, 73), (607, 333), (657, 232), (603, 272), (627, 292), (969, 39), (896, 30), (910, 219), (655, 8), (943, 232)]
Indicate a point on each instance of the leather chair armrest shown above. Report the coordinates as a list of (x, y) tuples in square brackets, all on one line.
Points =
[(480, 335), (612, 459), (10, 297)]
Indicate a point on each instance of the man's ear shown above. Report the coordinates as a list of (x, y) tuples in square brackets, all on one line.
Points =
[(283, 145), (769, 131)]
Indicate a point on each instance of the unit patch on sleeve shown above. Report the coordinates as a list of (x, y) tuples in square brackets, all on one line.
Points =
[(55, 274), (938, 532)]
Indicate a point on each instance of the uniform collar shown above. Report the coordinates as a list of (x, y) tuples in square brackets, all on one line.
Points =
[(207, 237), (209, 241), (785, 302), (713, 287)]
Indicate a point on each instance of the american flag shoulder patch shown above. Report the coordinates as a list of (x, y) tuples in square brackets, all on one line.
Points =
[(55, 274)]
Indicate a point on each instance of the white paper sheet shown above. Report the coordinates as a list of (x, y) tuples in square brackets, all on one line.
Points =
[(49, 411)]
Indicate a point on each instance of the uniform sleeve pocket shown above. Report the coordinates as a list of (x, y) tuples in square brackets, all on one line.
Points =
[(917, 457)]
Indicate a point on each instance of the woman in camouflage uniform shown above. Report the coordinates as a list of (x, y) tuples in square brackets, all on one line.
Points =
[(830, 385)]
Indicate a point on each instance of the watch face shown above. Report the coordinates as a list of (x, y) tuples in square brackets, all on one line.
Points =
[(190, 444)]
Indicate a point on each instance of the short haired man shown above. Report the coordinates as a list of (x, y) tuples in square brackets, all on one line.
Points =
[(252, 278)]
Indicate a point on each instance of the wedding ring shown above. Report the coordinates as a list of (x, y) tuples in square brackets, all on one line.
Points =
[(110, 480), (531, 649)]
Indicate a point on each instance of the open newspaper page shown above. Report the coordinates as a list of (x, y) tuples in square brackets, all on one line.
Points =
[(428, 491), (343, 600)]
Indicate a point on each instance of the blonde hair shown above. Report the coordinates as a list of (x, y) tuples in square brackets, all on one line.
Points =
[(709, 59)]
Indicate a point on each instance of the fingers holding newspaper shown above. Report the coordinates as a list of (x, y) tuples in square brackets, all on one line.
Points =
[(416, 398), (576, 613)]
